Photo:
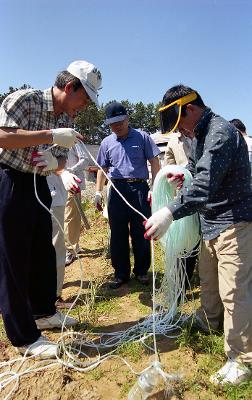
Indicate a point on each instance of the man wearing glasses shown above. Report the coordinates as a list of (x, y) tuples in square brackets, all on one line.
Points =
[(220, 192)]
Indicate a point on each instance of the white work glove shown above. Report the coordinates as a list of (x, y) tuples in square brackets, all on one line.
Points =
[(45, 160), (98, 201), (70, 181), (158, 223), (65, 137)]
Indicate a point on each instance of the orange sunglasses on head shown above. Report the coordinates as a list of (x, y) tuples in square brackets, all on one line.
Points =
[(171, 113)]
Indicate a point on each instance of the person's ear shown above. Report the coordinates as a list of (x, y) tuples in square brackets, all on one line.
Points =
[(189, 109), (68, 87)]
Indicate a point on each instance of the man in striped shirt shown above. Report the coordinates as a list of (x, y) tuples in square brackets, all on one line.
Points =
[(30, 122)]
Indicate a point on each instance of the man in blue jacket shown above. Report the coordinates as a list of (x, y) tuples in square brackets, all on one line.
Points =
[(220, 191)]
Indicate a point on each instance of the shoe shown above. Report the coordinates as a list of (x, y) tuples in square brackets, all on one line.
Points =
[(69, 258), (116, 283), (55, 321), (143, 279), (60, 303), (42, 348), (232, 372)]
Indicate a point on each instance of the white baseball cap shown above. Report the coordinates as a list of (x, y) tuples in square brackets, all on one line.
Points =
[(89, 76)]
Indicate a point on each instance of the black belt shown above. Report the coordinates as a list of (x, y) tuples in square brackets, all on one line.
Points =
[(129, 180)]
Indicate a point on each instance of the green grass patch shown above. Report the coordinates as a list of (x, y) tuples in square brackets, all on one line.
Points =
[(105, 307), (132, 350), (241, 392), (200, 342), (125, 388)]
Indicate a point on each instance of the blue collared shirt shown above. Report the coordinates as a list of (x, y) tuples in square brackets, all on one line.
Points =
[(220, 190), (127, 157)]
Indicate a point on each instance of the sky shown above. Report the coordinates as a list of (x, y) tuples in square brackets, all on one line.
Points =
[(142, 47)]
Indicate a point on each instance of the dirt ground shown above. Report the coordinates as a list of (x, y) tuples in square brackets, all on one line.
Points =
[(113, 311)]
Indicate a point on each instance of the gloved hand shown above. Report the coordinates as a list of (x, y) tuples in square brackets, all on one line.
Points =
[(70, 181), (65, 137), (158, 223), (45, 160), (176, 181), (98, 201)]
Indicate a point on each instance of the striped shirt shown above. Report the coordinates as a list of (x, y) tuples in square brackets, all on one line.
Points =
[(30, 110)]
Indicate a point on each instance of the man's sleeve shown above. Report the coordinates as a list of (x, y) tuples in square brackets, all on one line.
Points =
[(14, 111), (210, 171), (82, 158), (102, 157), (150, 148), (169, 158)]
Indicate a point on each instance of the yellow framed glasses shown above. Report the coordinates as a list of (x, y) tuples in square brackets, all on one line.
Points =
[(171, 113)]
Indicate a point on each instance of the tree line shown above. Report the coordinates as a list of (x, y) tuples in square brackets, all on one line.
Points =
[(90, 122)]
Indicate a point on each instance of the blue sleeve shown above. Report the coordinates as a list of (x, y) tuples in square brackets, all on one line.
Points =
[(102, 157), (210, 171), (150, 148)]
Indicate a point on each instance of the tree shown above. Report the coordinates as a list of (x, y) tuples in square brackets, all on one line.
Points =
[(90, 123)]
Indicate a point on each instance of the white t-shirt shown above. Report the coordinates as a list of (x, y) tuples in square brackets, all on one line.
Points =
[(57, 189), (77, 161)]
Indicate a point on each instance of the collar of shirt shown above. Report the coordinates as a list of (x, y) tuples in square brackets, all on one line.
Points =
[(203, 122), (48, 99), (130, 134)]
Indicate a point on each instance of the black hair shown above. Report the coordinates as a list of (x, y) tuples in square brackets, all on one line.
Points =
[(178, 91), (238, 124), (65, 77)]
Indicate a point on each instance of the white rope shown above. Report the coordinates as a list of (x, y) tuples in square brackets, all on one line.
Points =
[(162, 321)]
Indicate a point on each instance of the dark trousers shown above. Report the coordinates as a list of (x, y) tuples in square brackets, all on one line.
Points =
[(27, 256), (190, 263), (124, 222)]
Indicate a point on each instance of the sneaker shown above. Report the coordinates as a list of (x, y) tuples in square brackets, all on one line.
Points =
[(69, 258), (116, 283), (232, 372), (55, 321), (42, 348), (143, 279)]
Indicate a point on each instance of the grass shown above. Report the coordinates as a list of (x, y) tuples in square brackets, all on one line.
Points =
[(3, 336), (133, 351), (125, 388), (106, 307), (200, 342), (204, 352)]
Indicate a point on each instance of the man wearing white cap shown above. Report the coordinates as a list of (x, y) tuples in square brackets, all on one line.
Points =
[(30, 122)]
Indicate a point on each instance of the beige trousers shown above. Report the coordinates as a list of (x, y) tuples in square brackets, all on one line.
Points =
[(72, 223), (59, 245), (225, 271)]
